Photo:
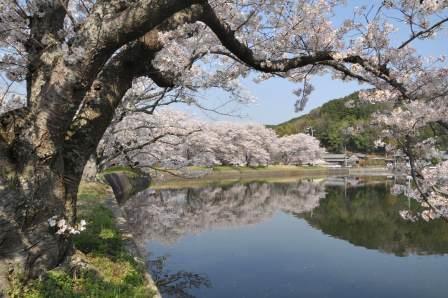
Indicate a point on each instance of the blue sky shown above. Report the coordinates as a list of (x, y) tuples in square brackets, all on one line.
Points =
[(275, 101)]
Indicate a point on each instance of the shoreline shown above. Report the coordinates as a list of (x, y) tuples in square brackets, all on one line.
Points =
[(106, 262), (129, 242), (272, 174)]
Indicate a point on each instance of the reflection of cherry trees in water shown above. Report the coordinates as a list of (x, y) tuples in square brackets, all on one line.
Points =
[(175, 284), (166, 215)]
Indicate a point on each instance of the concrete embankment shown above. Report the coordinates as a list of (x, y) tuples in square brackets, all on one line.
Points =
[(124, 186)]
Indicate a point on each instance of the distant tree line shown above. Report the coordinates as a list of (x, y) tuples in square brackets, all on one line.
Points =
[(171, 139)]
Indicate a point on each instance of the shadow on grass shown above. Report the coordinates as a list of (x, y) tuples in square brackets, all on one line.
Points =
[(106, 269)]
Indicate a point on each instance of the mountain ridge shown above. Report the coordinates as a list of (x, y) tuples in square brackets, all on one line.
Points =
[(339, 124)]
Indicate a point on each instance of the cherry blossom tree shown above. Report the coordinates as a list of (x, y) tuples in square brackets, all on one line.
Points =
[(74, 60), (417, 86), (298, 149), (148, 141), (243, 144), (170, 140)]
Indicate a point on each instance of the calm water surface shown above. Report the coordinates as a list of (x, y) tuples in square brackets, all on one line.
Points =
[(321, 238)]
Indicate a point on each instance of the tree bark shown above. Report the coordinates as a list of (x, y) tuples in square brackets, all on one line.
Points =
[(106, 93), (27, 244), (46, 147)]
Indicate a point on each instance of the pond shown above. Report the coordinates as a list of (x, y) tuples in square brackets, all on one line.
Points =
[(335, 237)]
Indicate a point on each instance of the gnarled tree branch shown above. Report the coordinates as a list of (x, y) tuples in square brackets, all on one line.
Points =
[(105, 95)]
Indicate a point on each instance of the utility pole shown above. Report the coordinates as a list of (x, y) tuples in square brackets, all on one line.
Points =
[(310, 130), (345, 155)]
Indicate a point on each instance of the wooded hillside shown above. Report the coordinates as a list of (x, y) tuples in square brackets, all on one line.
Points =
[(339, 122), (347, 121)]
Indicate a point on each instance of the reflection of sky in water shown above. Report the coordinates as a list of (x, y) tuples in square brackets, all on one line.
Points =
[(282, 255)]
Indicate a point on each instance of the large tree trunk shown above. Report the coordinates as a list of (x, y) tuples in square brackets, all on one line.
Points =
[(45, 146), (36, 190), (46, 162), (31, 193)]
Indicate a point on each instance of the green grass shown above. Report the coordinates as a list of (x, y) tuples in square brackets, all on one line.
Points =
[(259, 169), (263, 168), (110, 270), (127, 170), (373, 163), (225, 175)]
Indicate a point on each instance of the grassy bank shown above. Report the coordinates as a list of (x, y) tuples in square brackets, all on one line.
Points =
[(225, 175), (201, 182), (195, 176), (106, 268)]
